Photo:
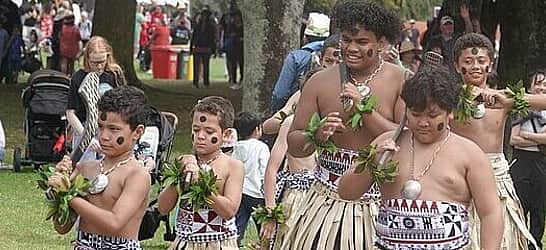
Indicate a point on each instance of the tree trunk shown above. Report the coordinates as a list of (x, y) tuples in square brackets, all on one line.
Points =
[(115, 21), (271, 30)]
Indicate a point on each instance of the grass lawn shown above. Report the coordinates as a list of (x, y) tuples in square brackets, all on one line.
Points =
[(22, 206)]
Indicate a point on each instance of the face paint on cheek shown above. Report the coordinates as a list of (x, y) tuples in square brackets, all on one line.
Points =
[(486, 69), (192, 137), (474, 51), (202, 119), (214, 140), (464, 70), (369, 53), (440, 126), (120, 140), (103, 116)]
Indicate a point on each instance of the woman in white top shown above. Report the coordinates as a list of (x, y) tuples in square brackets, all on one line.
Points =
[(529, 171)]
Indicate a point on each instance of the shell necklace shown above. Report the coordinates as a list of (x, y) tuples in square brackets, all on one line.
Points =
[(362, 87), (99, 184), (205, 165), (412, 188)]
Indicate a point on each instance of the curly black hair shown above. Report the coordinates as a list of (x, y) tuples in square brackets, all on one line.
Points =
[(127, 101), (432, 85), (351, 14), (246, 123), (472, 40), (216, 105)]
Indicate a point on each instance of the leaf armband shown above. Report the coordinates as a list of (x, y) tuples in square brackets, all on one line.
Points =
[(264, 215), (366, 160), (170, 175), (366, 106), (58, 200), (517, 92), (310, 136), (465, 108)]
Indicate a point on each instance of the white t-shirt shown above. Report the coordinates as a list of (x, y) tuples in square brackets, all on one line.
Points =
[(254, 154)]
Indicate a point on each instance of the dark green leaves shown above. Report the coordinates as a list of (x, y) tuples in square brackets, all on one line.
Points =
[(198, 193), (465, 108), (366, 160), (310, 135), (366, 106), (517, 92), (263, 215), (171, 175)]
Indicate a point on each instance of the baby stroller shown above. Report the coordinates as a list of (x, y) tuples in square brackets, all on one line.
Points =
[(156, 142), (45, 101)]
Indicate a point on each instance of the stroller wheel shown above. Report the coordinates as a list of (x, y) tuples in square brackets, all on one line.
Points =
[(17, 160)]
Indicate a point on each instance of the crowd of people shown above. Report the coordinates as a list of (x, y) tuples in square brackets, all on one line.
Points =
[(57, 29), (349, 96), (206, 33)]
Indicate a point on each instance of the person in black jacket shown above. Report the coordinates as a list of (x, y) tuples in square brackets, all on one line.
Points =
[(202, 45)]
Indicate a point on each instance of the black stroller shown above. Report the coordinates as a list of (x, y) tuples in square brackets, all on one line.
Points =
[(157, 142), (45, 101)]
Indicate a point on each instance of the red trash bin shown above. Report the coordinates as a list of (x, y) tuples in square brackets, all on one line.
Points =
[(164, 62)]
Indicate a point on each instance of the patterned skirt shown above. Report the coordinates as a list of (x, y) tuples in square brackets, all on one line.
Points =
[(90, 241), (228, 244)]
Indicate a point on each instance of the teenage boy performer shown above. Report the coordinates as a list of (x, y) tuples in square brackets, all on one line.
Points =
[(473, 56), (212, 227), (111, 214), (426, 205), (327, 221)]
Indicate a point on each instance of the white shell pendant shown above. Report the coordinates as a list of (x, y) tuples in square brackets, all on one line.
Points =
[(364, 91), (98, 184), (206, 167), (480, 111), (411, 190)]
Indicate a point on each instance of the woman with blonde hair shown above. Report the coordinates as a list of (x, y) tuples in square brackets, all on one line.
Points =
[(99, 74)]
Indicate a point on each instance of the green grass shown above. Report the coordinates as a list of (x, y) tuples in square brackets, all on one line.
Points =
[(23, 207)]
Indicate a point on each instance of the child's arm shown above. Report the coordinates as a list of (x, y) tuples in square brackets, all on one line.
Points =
[(167, 200), (481, 182), (227, 205), (135, 191)]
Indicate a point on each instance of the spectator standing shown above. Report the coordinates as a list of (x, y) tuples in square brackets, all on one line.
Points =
[(86, 27), (298, 62), (70, 45), (254, 154), (235, 50), (202, 45), (16, 47), (46, 21), (412, 33), (529, 170), (139, 20), (4, 39)]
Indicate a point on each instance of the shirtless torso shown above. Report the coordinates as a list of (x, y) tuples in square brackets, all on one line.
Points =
[(120, 180)]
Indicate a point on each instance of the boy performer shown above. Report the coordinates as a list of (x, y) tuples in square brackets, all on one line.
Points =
[(111, 214), (211, 227), (473, 56), (326, 221), (425, 207)]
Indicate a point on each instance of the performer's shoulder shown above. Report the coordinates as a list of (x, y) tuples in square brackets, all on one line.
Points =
[(394, 71), (465, 144)]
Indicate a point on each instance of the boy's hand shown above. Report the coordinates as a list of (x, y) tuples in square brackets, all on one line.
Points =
[(333, 123), (58, 181), (65, 165), (190, 167), (94, 145), (387, 145), (268, 230), (350, 91)]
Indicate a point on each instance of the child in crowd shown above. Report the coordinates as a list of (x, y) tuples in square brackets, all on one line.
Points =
[(212, 227), (254, 154), (111, 214)]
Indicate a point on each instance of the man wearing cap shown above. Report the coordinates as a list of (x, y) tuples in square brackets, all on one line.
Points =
[(298, 62), (412, 33), (447, 35)]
